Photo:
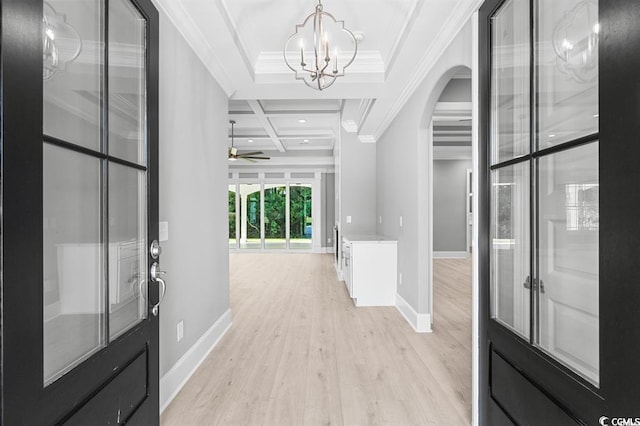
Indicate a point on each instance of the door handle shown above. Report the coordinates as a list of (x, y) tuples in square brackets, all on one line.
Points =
[(537, 284), (155, 276)]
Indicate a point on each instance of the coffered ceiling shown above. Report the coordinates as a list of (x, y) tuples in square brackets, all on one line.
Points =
[(241, 42)]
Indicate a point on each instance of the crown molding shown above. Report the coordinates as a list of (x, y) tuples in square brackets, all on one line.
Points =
[(404, 33), (446, 35), (174, 10), (240, 46), (367, 139)]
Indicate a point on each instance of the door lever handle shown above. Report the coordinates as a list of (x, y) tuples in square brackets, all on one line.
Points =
[(156, 307), (155, 276)]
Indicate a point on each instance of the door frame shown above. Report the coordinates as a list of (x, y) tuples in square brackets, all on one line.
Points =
[(22, 270)]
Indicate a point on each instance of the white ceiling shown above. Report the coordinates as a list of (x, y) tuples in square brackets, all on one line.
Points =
[(241, 42)]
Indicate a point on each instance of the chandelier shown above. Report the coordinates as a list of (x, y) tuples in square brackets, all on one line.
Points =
[(61, 43), (575, 42), (320, 49)]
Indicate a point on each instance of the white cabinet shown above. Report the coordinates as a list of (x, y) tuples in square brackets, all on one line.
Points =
[(371, 264)]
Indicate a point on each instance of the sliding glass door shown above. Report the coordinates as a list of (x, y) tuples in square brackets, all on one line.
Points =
[(250, 213), (275, 214), (271, 216), (301, 221)]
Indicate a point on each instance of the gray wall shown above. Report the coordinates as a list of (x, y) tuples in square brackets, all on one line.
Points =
[(457, 90), (327, 186), (449, 205), (402, 174), (193, 195), (358, 185)]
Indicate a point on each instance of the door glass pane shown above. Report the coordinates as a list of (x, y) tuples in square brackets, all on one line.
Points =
[(510, 60), (232, 217), (127, 248), (250, 216), (568, 258), (567, 70), (73, 59), (275, 203), (510, 247), (300, 218), (127, 84), (74, 290)]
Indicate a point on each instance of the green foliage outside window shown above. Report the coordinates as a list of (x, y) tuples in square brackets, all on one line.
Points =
[(232, 214), (300, 213), (274, 212), (274, 215)]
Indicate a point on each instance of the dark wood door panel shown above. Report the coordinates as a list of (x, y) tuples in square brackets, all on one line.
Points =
[(118, 399), (521, 399)]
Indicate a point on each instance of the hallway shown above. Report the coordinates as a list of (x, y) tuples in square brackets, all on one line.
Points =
[(300, 353)]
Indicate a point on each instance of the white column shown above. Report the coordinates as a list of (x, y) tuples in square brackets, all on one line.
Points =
[(243, 215)]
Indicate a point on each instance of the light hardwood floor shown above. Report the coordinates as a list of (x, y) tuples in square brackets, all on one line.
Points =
[(300, 353)]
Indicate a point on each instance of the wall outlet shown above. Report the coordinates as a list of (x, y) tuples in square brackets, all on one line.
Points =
[(180, 331), (400, 278), (348, 219), (328, 240), (400, 221)]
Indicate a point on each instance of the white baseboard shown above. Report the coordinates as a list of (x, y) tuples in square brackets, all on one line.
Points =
[(338, 272), (421, 323), (324, 250), (181, 372), (450, 254)]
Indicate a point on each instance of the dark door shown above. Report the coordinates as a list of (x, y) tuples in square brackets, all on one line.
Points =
[(79, 212), (560, 101)]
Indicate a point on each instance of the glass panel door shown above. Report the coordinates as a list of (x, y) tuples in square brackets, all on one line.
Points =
[(568, 258), (250, 207), (510, 247), (300, 216), (95, 178), (545, 183), (567, 38), (510, 169), (233, 199), (74, 260), (275, 212)]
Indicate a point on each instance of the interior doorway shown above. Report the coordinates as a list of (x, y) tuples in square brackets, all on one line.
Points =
[(451, 199)]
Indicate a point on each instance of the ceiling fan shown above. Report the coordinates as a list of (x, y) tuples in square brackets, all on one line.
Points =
[(249, 156)]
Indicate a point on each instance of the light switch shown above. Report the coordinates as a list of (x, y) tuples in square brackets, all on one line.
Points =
[(400, 221), (348, 219)]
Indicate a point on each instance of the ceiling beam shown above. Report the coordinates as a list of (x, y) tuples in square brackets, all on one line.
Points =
[(268, 127)]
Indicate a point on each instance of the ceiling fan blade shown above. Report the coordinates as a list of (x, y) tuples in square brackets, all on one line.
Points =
[(252, 157), (250, 153)]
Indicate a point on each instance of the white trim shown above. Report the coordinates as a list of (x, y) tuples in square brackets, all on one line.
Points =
[(449, 31), (475, 138), (421, 323), (184, 24), (450, 254), (174, 379)]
